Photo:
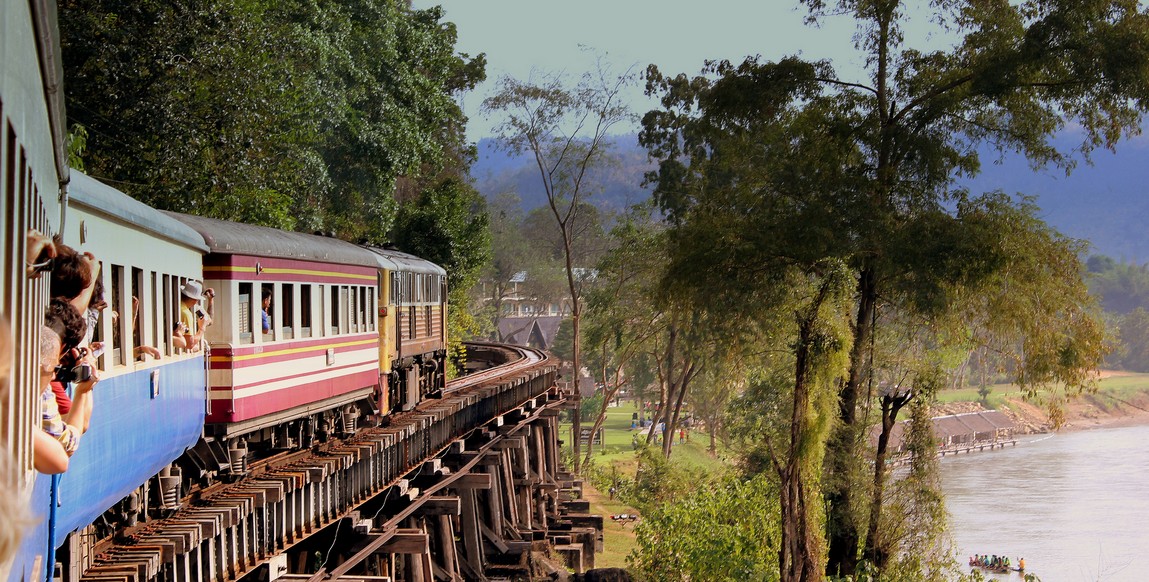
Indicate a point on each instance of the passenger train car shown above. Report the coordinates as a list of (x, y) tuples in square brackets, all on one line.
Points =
[(356, 334)]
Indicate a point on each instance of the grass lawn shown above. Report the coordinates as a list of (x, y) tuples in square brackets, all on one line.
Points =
[(1122, 386), (618, 448)]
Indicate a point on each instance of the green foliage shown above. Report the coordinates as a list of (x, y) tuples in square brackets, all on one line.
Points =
[(658, 482), (287, 114), (1133, 332), (716, 532), (589, 407)]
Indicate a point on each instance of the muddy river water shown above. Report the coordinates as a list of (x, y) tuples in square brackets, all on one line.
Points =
[(1075, 505)]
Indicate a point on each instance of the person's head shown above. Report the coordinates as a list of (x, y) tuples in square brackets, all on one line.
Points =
[(71, 272), (67, 323), (266, 298), (191, 292), (49, 354)]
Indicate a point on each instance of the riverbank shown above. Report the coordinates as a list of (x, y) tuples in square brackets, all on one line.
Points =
[(1122, 400)]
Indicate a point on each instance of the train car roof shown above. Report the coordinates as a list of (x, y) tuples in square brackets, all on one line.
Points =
[(234, 238), (99, 198), (400, 261)]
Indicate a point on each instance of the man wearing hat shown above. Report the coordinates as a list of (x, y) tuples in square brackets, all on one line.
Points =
[(193, 319)]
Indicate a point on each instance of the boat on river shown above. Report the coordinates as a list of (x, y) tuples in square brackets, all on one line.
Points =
[(985, 563)]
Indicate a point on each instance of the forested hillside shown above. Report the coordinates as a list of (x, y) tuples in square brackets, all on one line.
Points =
[(1105, 203)]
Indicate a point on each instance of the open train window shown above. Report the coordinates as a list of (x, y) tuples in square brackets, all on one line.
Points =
[(287, 313), (114, 297), (170, 310), (266, 316), (335, 319), (305, 308), (140, 335), (243, 303)]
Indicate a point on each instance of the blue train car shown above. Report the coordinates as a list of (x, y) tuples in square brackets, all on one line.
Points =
[(33, 172), (147, 410)]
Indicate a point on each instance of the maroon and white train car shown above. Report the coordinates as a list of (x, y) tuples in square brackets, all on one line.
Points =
[(319, 361)]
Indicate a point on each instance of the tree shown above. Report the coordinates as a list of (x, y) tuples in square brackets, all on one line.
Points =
[(564, 130), (448, 226), (715, 533), (288, 114), (893, 143)]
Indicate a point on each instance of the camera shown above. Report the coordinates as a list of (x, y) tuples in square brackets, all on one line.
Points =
[(199, 313), (74, 375)]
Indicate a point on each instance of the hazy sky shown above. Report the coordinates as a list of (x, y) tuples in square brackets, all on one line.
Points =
[(677, 35)]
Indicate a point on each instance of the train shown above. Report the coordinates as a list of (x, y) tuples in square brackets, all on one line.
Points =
[(354, 334)]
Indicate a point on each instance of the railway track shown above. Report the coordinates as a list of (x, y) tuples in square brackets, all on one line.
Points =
[(228, 530)]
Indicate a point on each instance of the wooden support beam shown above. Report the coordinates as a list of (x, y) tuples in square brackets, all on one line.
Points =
[(439, 506), (472, 481), (405, 541)]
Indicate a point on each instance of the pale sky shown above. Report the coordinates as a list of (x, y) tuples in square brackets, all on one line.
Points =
[(677, 35)]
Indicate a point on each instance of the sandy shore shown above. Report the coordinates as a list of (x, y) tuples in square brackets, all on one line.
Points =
[(1085, 412)]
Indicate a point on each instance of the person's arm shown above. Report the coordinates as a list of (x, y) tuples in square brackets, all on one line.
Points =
[(141, 351), (48, 455), (81, 301)]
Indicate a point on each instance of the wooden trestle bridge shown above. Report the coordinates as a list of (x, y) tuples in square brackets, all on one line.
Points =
[(464, 487)]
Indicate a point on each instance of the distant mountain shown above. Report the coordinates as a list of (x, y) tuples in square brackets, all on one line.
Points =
[(497, 171), (1106, 203)]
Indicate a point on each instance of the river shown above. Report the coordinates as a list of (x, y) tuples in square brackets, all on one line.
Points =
[(1075, 505)]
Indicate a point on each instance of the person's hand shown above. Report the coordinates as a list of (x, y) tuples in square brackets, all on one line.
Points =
[(93, 264), (38, 245), (209, 293), (93, 378), (205, 319), (97, 348), (148, 350)]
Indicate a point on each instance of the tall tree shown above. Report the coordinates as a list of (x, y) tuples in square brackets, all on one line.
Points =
[(564, 129), (1018, 73)]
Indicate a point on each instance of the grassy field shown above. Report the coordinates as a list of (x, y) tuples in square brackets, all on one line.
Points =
[(1122, 386), (618, 443)]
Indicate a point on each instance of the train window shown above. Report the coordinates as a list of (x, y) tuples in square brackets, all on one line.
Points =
[(352, 309), (324, 316), (305, 309), (371, 310), (243, 303), (166, 320), (287, 317), (335, 319), (134, 324), (119, 346), (345, 309), (411, 323), (266, 311)]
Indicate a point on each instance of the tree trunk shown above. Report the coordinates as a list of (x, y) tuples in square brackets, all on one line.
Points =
[(842, 529), (797, 554), (875, 552)]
